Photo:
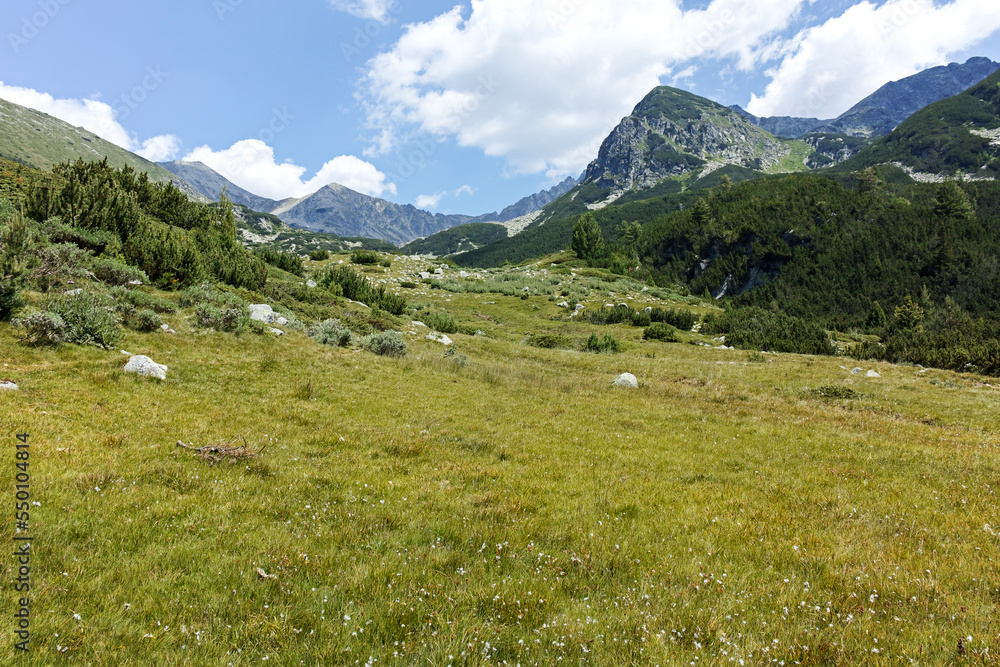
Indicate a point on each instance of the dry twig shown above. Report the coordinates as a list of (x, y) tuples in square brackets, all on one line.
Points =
[(227, 451)]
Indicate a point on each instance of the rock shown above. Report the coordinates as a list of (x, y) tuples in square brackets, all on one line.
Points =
[(564, 304), (261, 312), (626, 381), (424, 275), (357, 303), (873, 374), (463, 274), (166, 329), (418, 324), (440, 338), (311, 283), (580, 307), (8, 385), (439, 272), (276, 332), (525, 289), (135, 282), (73, 292), (146, 367), (648, 309), (857, 371), (281, 321)]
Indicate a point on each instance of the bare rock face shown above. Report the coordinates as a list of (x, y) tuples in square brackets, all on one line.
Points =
[(146, 367)]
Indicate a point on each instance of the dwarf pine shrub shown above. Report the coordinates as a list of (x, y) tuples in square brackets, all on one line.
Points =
[(661, 331), (606, 344)]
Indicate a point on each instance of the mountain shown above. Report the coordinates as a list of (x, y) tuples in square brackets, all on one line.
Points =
[(674, 134), (958, 136), (532, 203), (887, 107), (43, 141), (210, 183)]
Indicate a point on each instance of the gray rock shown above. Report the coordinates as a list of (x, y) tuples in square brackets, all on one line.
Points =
[(873, 374), (7, 385), (648, 309), (73, 292), (311, 283), (525, 289), (276, 332), (857, 371), (135, 282), (424, 275), (580, 307), (418, 324), (626, 381), (281, 321), (439, 272), (261, 312), (440, 338), (166, 329), (463, 274), (564, 304), (146, 367)]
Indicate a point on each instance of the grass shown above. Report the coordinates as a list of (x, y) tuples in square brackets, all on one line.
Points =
[(512, 509)]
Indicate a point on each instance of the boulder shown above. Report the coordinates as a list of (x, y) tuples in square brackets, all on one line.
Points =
[(311, 283), (261, 312), (135, 282), (857, 371), (276, 332), (166, 329), (564, 304), (648, 310), (424, 275), (146, 367), (281, 321), (73, 292), (626, 381), (580, 307), (873, 374), (463, 274), (439, 272), (440, 338), (8, 385)]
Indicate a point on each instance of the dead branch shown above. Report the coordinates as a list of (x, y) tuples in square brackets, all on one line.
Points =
[(226, 451)]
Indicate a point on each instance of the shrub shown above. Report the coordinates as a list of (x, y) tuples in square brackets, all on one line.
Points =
[(42, 328), (85, 320), (606, 344), (286, 261), (682, 319), (661, 331), (357, 288), (222, 317), (641, 319), (57, 264), (95, 240), (386, 344), (320, 255), (406, 284), (113, 272), (331, 332), (361, 256), (441, 322), (759, 329), (138, 299), (549, 341), (145, 320)]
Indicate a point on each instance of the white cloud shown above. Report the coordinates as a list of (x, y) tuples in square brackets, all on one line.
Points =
[(97, 117), (542, 82), (829, 68), (429, 201), (251, 165), (366, 9)]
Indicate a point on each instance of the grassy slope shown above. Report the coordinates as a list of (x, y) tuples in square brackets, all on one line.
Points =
[(42, 141), (512, 508)]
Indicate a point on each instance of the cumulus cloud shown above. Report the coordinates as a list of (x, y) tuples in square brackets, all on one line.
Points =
[(251, 165), (542, 82), (432, 201), (828, 68), (366, 9), (97, 117)]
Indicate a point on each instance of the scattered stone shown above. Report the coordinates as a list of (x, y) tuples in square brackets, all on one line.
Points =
[(424, 275), (648, 309), (261, 312), (564, 304), (166, 329), (8, 385), (626, 381), (73, 292), (463, 274), (311, 283), (276, 332), (127, 354), (873, 374), (580, 307), (440, 338), (357, 303), (146, 367), (439, 271), (135, 282), (281, 321), (525, 289), (418, 324), (857, 371)]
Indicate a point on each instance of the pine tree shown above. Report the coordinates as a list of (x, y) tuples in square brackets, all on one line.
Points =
[(588, 242)]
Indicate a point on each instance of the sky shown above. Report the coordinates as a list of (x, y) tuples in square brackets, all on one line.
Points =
[(455, 107)]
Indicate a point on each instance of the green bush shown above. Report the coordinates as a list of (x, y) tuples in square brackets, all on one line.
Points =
[(286, 261), (600, 345), (138, 299), (441, 322), (222, 317), (661, 331), (549, 341), (86, 320), (641, 319), (386, 344), (320, 255), (42, 328), (55, 265), (357, 288), (331, 332), (682, 319), (765, 330), (113, 272), (361, 256), (144, 320)]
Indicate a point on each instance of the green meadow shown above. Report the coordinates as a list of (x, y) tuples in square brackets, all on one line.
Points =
[(493, 502)]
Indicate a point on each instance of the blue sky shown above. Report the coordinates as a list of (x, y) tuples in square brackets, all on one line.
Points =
[(459, 107)]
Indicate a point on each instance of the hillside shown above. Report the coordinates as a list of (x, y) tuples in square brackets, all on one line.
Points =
[(454, 240), (42, 141), (210, 184), (956, 136), (882, 111)]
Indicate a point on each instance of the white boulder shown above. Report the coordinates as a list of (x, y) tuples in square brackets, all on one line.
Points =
[(261, 312), (440, 338), (8, 385), (873, 374), (626, 381), (146, 367)]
